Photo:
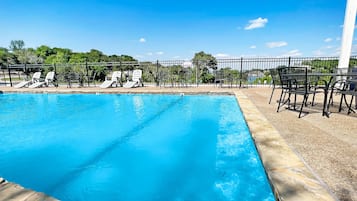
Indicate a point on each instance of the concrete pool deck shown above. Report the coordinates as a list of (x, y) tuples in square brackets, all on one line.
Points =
[(10, 191), (299, 155)]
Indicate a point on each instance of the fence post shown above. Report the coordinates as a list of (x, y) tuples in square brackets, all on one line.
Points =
[(8, 69), (241, 72), (197, 64), (87, 72), (157, 73), (3, 73), (121, 73), (289, 62), (56, 80), (26, 72)]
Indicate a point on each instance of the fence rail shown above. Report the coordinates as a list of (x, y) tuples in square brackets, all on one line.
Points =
[(236, 72)]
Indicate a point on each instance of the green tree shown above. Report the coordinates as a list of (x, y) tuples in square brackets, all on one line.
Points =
[(95, 56), (127, 58), (16, 45), (44, 51), (78, 58), (203, 62), (62, 55), (322, 65), (4, 55)]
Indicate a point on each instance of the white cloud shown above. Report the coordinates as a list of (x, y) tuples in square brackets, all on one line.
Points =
[(160, 53), (187, 64), (142, 40), (292, 53), (149, 53), (248, 55), (328, 47), (338, 38), (327, 40), (338, 50), (318, 53), (354, 49), (276, 44), (253, 47), (341, 26), (221, 55), (256, 23)]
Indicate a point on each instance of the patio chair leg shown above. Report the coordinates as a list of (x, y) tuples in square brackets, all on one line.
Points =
[(302, 105), (340, 108), (330, 100), (271, 95), (295, 102), (281, 96), (350, 106), (313, 98)]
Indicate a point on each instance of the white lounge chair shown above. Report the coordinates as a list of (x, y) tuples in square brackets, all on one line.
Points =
[(136, 80), (35, 78), (116, 76), (49, 78)]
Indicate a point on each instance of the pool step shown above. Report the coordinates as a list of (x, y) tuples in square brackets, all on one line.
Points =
[(10, 191)]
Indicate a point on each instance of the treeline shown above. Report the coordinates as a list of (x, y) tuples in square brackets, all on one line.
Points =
[(18, 54)]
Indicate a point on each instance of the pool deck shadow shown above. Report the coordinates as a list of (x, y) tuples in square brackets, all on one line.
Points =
[(291, 178)]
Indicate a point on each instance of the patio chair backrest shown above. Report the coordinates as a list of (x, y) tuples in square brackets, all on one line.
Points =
[(293, 77), (354, 77), (50, 76), (283, 78), (137, 74), (275, 76), (116, 76), (36, 76)]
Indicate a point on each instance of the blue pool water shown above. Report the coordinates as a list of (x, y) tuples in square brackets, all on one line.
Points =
[(130, 147)]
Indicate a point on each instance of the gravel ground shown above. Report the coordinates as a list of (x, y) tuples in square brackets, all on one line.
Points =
[(327, 145)]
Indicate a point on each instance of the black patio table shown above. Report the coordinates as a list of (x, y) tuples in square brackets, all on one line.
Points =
[(327, 79)]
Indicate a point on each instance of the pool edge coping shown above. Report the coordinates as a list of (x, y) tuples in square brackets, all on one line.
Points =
[(290, 177)]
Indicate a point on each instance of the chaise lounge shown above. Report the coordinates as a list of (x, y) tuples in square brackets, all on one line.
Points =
[(35, 78), (116, 77), (136, 80), (50, 78)]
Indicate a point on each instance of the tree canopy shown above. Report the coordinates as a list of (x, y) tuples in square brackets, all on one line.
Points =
[(16, 45), (17, 53)]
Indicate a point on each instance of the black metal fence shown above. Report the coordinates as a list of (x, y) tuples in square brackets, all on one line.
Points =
[(233, 72)]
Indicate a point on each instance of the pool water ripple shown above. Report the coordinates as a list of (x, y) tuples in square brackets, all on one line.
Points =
[(130, 147)]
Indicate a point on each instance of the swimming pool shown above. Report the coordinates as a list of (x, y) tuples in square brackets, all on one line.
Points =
[(130, 147)]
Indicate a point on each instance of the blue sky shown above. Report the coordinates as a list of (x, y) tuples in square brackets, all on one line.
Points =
[(176, 29)]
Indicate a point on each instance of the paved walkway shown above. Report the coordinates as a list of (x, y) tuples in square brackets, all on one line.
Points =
[(327, 145)]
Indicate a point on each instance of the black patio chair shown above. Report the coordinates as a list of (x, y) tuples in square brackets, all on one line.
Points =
[(90, 78), (219, 78), (348, 89), (344, 87), (285, 86), (295, 82), (73, 77), (275, 81)]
